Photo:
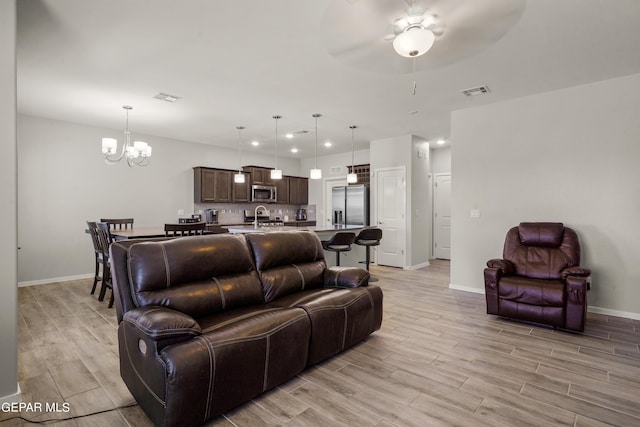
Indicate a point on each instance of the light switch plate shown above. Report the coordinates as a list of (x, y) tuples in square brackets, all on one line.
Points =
[(475, 213)]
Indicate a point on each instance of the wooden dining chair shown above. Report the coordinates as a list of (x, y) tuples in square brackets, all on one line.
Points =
[(118, 223), (105, 240), (195, 228), (97, 251)]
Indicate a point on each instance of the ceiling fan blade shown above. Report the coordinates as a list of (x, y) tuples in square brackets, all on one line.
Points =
[(355, 30)]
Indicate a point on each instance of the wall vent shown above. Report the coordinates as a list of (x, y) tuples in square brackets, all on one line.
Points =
[(475, 91), (167, 97)]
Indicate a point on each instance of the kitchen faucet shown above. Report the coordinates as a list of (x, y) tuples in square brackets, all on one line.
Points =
[(255, 215)]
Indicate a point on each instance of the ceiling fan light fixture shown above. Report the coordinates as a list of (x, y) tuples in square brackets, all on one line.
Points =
[(414, 41)]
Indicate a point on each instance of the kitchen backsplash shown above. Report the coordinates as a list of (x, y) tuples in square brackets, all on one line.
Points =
[(229, 213)]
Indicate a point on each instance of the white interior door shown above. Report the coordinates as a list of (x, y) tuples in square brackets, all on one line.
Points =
[(442, 216), (329, 183), (390, 216)]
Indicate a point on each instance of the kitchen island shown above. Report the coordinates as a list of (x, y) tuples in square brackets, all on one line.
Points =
[(354, 258)]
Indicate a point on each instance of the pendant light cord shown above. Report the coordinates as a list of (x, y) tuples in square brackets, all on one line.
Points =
[(240, 147), (276, 117)]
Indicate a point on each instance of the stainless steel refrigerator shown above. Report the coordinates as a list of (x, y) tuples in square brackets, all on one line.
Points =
[(350, 205)]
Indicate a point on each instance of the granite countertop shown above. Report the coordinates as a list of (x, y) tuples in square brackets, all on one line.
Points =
[(270, 228)]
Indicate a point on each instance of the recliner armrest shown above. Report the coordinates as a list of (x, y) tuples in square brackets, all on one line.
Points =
[(505, 266), (575, 271), (345, 277), (163, 324)]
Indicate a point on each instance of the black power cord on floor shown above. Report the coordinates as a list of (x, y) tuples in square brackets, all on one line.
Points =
[(57, 420)]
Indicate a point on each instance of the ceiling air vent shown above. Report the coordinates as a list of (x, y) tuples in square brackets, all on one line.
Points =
[(167, 97), (301, 132), (475, 91)]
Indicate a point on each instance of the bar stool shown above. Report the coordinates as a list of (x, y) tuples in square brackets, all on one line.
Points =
[(340, 242), (367, 238)]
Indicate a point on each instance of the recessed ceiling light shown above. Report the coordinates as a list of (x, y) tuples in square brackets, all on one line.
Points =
[(255, 143), (328, 144), (294, 150), (289, 135), (440, 141)]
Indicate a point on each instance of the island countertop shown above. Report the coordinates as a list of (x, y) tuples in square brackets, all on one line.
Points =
[(250, 228)]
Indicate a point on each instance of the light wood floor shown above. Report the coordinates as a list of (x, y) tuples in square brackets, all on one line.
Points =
[(438, 360)]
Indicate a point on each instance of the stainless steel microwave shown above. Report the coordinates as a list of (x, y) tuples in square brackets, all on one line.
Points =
[(264, 193)]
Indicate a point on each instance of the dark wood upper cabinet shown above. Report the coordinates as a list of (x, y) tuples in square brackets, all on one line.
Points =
[(259, 175), (298, 190), (282, 190), (211, 185), (241, 192)]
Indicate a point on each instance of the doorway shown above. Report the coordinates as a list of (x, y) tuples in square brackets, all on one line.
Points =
[(442, 216)]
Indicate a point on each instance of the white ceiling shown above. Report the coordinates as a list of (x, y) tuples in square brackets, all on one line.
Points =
[(240, 62)]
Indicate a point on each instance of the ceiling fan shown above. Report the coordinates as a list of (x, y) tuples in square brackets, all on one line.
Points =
[(379, 35)]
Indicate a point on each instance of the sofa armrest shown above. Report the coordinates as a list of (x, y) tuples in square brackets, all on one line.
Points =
[(505, 266), (345, 277), (162, 325)]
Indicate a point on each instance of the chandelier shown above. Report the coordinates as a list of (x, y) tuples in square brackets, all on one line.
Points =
[(137, 153)]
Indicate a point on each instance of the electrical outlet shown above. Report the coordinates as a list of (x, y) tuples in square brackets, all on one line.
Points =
[(180, 211)]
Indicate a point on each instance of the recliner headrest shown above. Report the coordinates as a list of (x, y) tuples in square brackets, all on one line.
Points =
[(545, 234)]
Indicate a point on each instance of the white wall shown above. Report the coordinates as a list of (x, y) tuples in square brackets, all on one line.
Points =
[(8, 208), (421, 224), (63, 182), (402, 151), (570, 155), (441, 160)]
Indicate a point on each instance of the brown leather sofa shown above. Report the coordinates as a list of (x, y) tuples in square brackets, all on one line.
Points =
[(539, 277), (209, 322)]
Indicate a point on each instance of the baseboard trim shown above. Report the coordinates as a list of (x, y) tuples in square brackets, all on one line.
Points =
[(415, 267), (590, 309), (54, 280), (614, 313), (466, 289), (12, 398)]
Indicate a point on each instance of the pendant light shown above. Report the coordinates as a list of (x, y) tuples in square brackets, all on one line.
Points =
[(316, 173), (352, 177), (276, 173), (239, 177)]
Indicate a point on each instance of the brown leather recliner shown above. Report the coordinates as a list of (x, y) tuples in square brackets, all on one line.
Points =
[(539, 278)]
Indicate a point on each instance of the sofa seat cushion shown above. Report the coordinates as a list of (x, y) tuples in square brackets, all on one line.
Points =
[(339, 317), (524, 290)]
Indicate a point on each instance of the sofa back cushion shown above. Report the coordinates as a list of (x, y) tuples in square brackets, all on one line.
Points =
[(542, 250), (288, 261), (196, 275)]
